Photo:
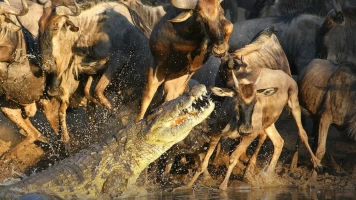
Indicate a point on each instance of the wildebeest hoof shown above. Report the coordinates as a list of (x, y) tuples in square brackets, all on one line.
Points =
[(53, 92), (220, 50), (245, 130)]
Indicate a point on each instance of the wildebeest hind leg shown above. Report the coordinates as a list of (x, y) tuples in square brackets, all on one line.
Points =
[(175, 87), (32, 133), (293, 103), (153, 82)]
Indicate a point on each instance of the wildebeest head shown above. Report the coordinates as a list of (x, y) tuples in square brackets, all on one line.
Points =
[(336, 40), (211, 16), (55, 27), (245, 92), (8, 30)]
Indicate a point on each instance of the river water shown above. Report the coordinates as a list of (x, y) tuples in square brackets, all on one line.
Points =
[(273, 193)]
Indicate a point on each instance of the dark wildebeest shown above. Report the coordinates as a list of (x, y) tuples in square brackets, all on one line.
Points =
[(328, 92), (179, 44), (295, 32), (21, 81), (236, 117), (91, 43), (336, 39), (150, 14), (283, 7)]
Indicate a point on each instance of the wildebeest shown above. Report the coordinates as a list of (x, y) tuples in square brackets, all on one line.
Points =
[(328, 93), (336, 39), (21, 81), (233, 119), (295, 32), (264, 97), (179, 44), (150, 14), (91, 43), (283, 7)]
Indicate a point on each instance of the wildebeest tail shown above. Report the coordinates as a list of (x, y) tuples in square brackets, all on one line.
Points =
[(351, 130), (138, 22), (305, 111)]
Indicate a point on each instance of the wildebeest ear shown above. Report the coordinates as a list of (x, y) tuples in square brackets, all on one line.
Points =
[(72, 26), (182, 17), (267, 91), (222, 92)]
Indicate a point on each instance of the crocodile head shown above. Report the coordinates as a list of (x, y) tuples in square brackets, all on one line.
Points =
[(173, 120)]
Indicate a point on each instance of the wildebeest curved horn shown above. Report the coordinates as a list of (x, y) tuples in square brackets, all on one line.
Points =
[(236, 82), (258, 79), (8, 9), (77, 9), (336, 5), (71, 13), (185, 4), (182, 17)]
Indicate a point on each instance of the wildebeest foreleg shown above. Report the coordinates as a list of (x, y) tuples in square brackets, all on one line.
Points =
[(214, 140), (293, 103), (104, 81), (154, 80), (15, 115), (87, 91), (50, 108), (278, 143), (62, 119), (234, 157), (252, 163)]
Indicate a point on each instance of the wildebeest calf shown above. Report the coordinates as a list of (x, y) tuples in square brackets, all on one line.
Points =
[(266, 96)]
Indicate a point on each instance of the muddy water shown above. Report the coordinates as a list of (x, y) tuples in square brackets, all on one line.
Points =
[(273, 193)]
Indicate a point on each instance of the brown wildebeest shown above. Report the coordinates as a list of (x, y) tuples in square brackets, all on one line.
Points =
[(265, 97), (328, 92), (91, 43), (21, 81), (239, 114), (179, 45)]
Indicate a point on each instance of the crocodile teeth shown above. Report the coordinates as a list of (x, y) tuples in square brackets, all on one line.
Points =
[(189, 109)]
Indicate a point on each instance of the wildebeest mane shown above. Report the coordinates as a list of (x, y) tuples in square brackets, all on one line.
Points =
[(265, 50), (288, 7), (288, 18), (136, 19)]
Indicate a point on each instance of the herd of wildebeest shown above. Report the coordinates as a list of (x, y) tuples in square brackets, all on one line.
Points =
[(62, 53)]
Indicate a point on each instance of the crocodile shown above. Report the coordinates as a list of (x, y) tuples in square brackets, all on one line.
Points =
[(111, 167)]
